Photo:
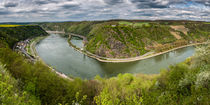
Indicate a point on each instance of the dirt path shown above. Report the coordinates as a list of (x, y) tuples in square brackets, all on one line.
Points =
[(177, 36), (180, 28)]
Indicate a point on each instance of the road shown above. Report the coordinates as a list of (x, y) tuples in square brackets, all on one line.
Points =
[(55, 32), (77, 35)]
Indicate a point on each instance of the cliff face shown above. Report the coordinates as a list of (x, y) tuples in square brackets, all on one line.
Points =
[(14, 34), (122, 39)]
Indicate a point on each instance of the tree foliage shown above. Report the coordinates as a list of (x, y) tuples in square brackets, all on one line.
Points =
[(11, 93)]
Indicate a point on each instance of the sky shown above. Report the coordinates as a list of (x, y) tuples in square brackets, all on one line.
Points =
[(85, 10)]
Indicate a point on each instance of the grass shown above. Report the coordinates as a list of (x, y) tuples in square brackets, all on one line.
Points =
[(125, 23), (139, 24), (207, 23), (9, 25), (142, 23), (28, 47)]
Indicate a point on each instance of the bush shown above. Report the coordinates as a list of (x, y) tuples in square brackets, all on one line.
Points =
[(203, 80), (11, 93)]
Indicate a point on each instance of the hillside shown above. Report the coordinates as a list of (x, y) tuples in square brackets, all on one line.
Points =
[(186, 83), (82, 28), (124, 38), (34, 79), (14, 33), (23, 82), (11, 91)]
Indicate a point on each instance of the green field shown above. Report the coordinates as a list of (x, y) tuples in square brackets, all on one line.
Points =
[(138, 24), (141, 24), (207, 23), (125, 23)]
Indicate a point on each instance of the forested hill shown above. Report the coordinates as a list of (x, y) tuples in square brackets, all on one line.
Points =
[(26, 83), (82, 28), (130, 38), (14, 33)]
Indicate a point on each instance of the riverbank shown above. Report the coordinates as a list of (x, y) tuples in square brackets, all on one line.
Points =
[(118, 60), (32, 46)]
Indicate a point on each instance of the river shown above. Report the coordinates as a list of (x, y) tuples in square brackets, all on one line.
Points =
[(56, 52)]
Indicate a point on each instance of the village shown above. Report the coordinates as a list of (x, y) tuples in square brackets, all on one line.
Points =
[(21, 47)]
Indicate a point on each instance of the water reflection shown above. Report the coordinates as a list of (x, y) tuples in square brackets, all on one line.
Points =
[(112, 69), (159, 58), (181, 51)]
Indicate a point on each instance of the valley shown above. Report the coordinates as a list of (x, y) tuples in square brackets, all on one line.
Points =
[(104, 52), (176, 62)]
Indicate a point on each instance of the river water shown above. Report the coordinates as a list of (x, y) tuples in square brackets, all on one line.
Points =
[(56, 52)]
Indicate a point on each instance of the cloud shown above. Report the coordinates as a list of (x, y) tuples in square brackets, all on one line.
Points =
[(10, 4), (70, 6), (113, 2), (150, 3), (42, 2), (77, 10), (205, 2), (3, 13)]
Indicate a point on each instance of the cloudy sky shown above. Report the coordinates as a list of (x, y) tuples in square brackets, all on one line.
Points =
[(77, 10)]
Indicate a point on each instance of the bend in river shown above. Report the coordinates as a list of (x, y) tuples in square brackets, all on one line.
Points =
[(56, 52)]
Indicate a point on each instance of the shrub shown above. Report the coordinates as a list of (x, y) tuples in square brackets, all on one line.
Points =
[(203, 80), (11, 93)]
